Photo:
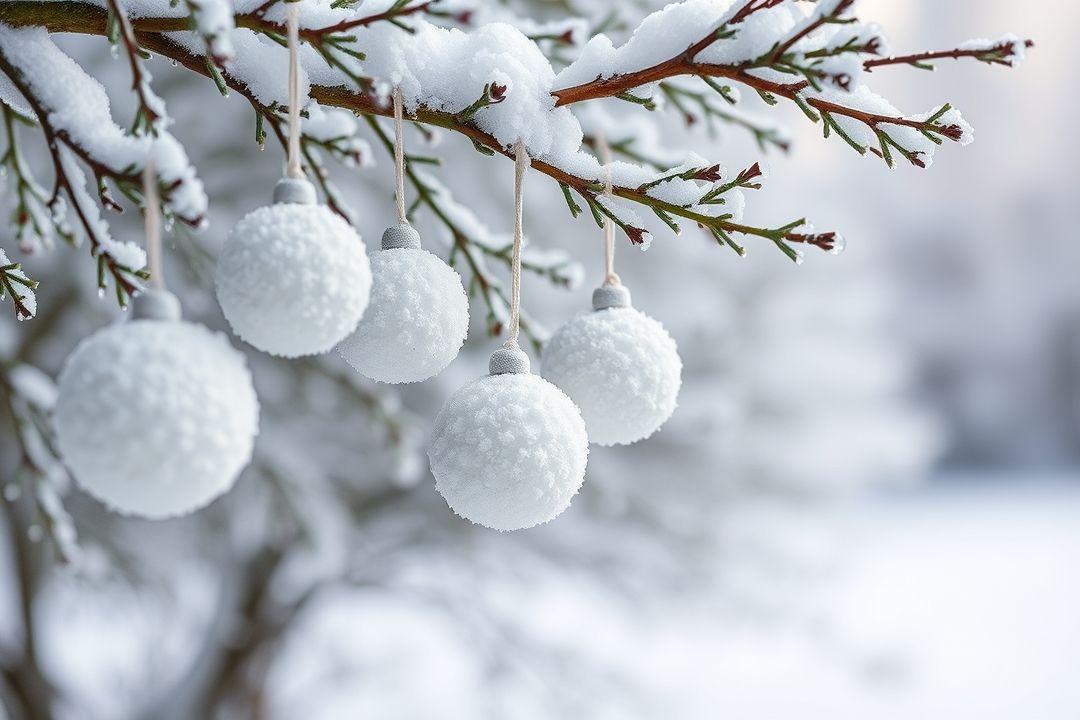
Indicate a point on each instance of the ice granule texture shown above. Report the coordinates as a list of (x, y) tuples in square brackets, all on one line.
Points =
[(155, 418), (416, 321), (293, 279), (622, 369), (509, 451)]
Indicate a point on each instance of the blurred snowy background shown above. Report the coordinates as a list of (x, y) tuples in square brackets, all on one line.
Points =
[(867, 504)]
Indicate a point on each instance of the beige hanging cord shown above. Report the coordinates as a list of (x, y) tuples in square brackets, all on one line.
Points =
[(610, 278), (521, 161), (399, 158), (152, 219), (292, 14)]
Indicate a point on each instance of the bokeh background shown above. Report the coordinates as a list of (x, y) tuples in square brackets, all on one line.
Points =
[(867, 504)]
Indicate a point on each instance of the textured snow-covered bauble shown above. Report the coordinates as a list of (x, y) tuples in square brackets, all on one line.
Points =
[(509, 450), (417, 318), (619, 365), (156, 417), (293, 278)]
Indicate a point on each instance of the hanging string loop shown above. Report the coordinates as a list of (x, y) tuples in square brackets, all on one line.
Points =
[(155, 302), (399, 158), (521, 161), (610, 277), (152, 223), (292, 14)]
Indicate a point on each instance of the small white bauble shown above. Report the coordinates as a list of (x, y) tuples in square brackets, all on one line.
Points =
[(619, 365), (156, 417), (293, 278), (509, 450), (417, 318)]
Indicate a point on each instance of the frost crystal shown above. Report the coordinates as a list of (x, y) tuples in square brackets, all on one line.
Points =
[(509, 451), (156, 418), (416, 321)]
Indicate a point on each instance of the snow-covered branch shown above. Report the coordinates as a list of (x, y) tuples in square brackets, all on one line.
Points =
[(823, 49), (30, 395), (16, 285), (494, 85), (1008, 50), (150, 117), (73, 112)]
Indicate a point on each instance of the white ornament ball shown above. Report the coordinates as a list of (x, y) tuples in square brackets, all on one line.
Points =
[(416, 321), (293, 278), (156, 418), (509, 450), (620, 366)]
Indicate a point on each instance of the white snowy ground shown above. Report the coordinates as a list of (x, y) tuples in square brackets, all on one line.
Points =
[(960, 602)]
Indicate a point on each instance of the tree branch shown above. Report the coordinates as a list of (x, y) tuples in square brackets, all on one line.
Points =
[(149, 113), (66, 16), (1003, 52), (84, 18), (123, 276)]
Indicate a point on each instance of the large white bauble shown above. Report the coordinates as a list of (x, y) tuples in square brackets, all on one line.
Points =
[(620, 366), (293, 279), (156, 418), (509, 450), (416, 321)]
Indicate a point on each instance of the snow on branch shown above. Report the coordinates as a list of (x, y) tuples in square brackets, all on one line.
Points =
[(73, 111), (150, 117), (30, 396), (16, 285), (493, 84), (762, 44), (1008, 50), (214, 21)]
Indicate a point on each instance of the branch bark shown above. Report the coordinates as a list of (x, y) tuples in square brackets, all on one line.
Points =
[(120, 273), (77, 17), (26, 679), (67, 16)]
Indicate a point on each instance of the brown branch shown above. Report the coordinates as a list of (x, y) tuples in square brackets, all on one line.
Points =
[(783, 47), (681, 65), (998, 54), (751, 7), (53, 138), (27, 678), (92, 20), (367, 104), (7, 287), (84, 18), (139, 82), (377, 17), (256, 20)]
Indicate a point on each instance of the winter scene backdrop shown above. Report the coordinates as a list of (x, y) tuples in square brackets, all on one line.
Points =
[(866, 504)]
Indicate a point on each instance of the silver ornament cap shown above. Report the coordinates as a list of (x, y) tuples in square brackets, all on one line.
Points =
[(297, 191), (611, 296), (402, 235), (155, 304), (507, 360)]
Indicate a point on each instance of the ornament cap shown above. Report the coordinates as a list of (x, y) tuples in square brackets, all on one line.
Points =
[(155, 304), (402, 235), (294, 190), (507, 360), (611, 296)]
